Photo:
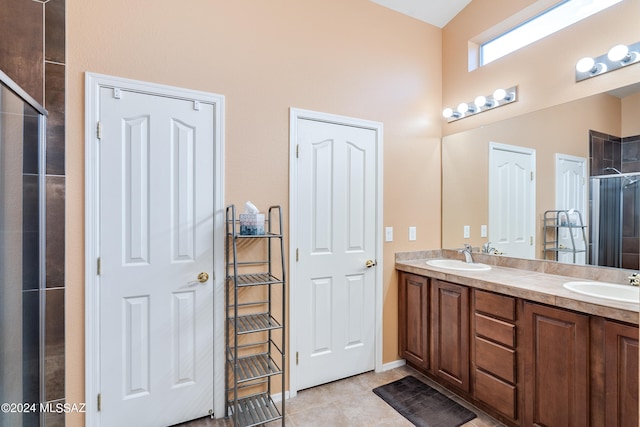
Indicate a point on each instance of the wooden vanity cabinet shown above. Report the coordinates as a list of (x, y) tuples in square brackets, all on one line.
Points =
[(450, 333), (494, 356), (525, 363), (413, 313), (556, 367), (621, 375)]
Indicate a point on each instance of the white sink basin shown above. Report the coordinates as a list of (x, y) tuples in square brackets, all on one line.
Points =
[(454, 264), (606, 290)]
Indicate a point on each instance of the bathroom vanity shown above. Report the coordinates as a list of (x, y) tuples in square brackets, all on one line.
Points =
[(516, 343)]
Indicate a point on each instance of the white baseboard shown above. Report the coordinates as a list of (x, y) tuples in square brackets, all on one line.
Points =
[(278, 396), (393, 365)]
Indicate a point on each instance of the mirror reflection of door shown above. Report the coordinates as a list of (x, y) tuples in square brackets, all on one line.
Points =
[(571, 180), (512, 199)]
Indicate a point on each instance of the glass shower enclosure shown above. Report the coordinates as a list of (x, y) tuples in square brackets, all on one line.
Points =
[(615, 220), (22, 130)]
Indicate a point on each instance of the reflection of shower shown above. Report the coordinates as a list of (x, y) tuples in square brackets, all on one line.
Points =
[(627, 181), (615, 217)]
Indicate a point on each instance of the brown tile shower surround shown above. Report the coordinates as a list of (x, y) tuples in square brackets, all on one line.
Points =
[(351, 403), (32, 53), (623, 154)]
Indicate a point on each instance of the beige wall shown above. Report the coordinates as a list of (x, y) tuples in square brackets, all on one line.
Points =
[(630, 115), (562, 129), (352, 58), (543, 71)]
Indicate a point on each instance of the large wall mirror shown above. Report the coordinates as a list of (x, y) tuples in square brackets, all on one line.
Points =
[(556, 134)]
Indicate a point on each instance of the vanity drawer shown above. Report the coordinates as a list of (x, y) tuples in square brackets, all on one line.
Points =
[(496, 330), (496, 359), (496, 305), (496, 393)]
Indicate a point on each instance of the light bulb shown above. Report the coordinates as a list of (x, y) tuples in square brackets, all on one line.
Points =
[(499, 94), (463, 107), (481, 101), (618, 53), (447, 113), (585, 64)]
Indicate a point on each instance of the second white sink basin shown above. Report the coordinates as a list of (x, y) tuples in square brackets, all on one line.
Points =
[(454, 264), (605, 290)]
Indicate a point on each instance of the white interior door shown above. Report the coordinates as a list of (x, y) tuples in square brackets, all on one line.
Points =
[(571, 193), (512, 199), (156, 236), (336, 227)]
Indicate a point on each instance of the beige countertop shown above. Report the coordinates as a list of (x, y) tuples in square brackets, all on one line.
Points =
[(534, 280)]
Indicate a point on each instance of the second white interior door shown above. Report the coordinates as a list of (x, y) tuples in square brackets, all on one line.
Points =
[(336, 232)]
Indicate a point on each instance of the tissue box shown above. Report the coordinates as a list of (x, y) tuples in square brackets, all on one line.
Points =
[(252, 224)]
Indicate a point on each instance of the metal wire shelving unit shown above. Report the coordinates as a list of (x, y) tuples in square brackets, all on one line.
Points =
[(255, 326), (554, 221)]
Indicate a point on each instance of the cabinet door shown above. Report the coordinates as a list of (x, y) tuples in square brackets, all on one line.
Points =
[(621, 375), (556, 349), (450, 331), (413, 297)]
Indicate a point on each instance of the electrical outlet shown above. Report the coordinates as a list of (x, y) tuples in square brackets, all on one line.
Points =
[(483, 231), (388, 234), (466, 233), (412, 233)]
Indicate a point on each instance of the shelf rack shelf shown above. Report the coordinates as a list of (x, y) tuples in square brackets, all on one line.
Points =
[(554, 222), (255, 331)]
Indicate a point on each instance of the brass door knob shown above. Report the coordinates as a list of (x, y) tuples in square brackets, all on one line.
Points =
[(370, 263), (203, 277)]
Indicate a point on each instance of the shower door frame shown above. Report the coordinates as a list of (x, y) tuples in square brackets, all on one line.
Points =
[(42, 128)]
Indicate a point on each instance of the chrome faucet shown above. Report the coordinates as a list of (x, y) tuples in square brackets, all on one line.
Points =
[(487, 249), (467, 253)]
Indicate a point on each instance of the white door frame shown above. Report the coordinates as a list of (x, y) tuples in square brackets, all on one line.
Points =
[(296, 114), (93, 83)]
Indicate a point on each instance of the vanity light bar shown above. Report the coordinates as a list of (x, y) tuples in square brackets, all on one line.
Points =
[(618, 56), (497, 99)]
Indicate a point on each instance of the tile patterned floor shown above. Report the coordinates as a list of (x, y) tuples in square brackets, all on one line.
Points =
[(350, 403)]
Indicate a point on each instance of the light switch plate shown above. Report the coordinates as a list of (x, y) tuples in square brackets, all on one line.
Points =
[(412, 233), (483, 231), (466, 233), (388, 234)]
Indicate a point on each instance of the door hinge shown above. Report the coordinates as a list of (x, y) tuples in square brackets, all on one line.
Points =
[(297, 254), (99, 130), (99, 401), (297, 358), (297, 151), (530, 240), (99, 266), (531, 175)]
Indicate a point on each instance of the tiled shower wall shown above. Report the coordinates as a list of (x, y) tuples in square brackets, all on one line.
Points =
[(624, 155), (32, 53)]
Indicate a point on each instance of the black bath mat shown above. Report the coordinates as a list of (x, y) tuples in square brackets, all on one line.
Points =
[(423, 405)]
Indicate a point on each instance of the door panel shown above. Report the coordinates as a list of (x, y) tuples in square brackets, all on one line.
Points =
[(512, 200), (336, 229), (156, 235), (571, 178)]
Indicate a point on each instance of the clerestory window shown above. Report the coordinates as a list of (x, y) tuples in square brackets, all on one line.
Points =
[(548, 22)]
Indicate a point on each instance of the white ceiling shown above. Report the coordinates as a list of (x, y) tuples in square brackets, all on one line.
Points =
[(434, 12)]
